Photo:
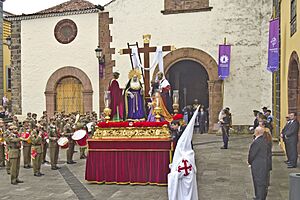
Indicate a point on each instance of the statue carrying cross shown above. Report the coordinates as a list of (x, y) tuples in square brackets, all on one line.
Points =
[(146, 50)]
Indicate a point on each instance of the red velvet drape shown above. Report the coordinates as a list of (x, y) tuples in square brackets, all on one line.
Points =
[(128, 162)]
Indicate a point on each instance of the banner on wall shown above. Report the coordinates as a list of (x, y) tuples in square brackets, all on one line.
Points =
[(273, 51), (224, 61)]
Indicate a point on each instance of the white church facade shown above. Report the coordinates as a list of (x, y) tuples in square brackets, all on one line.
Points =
[(51, 65)]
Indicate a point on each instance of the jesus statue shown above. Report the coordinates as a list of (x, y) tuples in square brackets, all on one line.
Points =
[(134, 97)]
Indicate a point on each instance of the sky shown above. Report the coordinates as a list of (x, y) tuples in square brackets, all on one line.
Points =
[(31, 6)]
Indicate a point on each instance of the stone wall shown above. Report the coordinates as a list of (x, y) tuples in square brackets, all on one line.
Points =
[(105, 39), (16, 67)]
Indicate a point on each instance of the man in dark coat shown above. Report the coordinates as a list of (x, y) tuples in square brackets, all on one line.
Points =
[(283, 137), (258, 158), (291, 139)]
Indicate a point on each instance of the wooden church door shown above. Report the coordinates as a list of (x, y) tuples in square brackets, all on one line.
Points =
[(69, 96)]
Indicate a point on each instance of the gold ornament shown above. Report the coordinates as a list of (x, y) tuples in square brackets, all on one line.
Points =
[(135, 72)]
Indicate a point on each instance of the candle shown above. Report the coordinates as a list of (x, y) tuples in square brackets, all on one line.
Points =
[(107, 103), (175, 100), (157, 102)]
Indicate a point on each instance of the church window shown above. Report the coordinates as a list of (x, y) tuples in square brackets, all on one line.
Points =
[(65, 31), (185, 6), (293, 22)]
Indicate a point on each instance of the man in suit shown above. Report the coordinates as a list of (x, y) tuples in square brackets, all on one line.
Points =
[(291, 139), (257, 158), (283, 137)]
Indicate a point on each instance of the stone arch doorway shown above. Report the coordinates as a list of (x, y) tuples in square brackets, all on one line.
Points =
[(294, 88), (207, 62), (191, 79), (68, 74)]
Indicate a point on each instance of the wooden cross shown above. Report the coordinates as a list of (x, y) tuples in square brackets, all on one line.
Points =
[(146, 50)]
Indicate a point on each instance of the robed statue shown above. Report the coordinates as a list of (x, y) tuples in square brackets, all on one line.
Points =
[(134, 97), (117, 102), (165, 90)]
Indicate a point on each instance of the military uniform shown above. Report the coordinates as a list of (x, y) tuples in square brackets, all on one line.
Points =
[(2, 148), (36, 140), (5, 137), (44, 127), (14, 154), (68, 132), (26, 147), (53, 146)]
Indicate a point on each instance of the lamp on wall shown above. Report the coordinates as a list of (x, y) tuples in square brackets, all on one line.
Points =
[(101, 61)]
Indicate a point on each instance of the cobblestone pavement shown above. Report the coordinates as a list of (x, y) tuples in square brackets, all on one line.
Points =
[(222, 175)]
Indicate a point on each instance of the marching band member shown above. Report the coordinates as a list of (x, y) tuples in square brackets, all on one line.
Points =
[(68, 132), (2, 147), (25, 133), (53, 146), (14, 145), (36, 150)]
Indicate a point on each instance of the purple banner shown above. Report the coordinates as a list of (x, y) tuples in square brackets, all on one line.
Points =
[(273, 52), (224, 61)]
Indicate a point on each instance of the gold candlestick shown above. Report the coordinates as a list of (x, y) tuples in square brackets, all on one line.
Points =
[(175, 108), (157, 112), (107, 112)]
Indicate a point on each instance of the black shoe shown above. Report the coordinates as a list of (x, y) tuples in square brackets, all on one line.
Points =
[(41, 174), (8, 173), (223, 148), (83, 157), (54, 168), (291, 166), (286, 162), (19, 181), (71, 162), (37, 174), (14, 183), (26, 167)]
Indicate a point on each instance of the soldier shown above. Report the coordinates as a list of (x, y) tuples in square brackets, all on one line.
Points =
[(37, 151), (53, 146), (68, 132), (29, 119), (80, 125), (5, 136), (2, 148), (25, 130), (14, 145), (45, 137), (34, 120), (15, 121)]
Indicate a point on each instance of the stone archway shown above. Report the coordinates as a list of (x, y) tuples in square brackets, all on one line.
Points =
[(294, 87), (214, 83), (61, 73)]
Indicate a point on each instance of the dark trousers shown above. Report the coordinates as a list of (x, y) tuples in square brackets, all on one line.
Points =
[(292, 152), (45, 147), (260, 190), (225, 134)]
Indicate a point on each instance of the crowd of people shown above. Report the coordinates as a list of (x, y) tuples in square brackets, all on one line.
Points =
[(35, 137), (260, 152)]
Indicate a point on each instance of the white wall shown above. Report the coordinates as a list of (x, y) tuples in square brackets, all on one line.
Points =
[(42, 55), (243, 23)]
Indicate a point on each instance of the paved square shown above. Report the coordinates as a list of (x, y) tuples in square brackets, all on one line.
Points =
[(222, 175)]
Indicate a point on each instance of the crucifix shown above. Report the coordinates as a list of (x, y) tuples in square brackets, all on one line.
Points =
[(146, 50)]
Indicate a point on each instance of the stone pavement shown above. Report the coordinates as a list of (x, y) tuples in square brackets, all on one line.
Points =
[(222, 175)]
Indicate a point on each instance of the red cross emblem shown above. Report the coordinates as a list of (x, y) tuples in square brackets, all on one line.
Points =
[(186, 168)]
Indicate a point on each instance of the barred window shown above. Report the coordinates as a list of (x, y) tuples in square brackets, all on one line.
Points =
[(8, 78), (293, 22)]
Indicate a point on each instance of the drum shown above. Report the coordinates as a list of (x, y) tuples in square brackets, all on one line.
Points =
[(26, 136), (63, 142), (80, 137)]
